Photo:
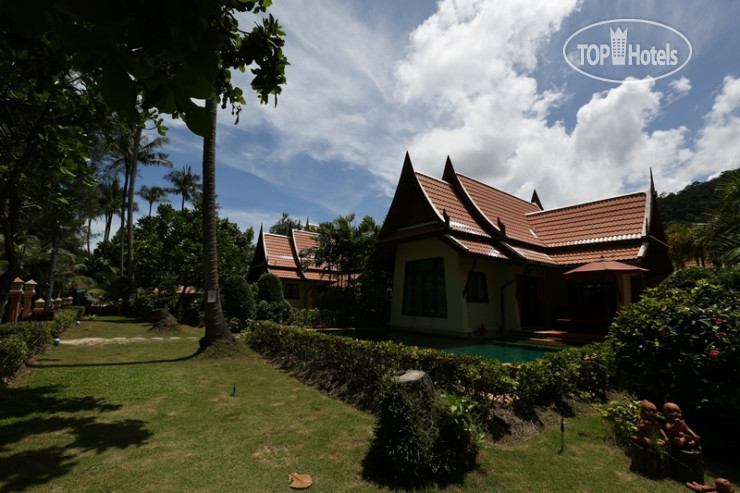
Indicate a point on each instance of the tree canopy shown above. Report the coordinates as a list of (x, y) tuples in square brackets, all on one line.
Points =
[(163, 54)]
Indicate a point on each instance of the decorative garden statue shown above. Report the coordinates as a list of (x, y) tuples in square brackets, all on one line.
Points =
[(649, 430), (679, 434), (721, 485)]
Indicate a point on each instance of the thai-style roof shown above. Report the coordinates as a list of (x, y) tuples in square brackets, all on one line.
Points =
[(480, 220), (288, 257)]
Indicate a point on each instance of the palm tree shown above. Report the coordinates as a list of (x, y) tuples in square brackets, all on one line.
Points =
[(152, 195), (185, 183), (216, 327), (110, 197)]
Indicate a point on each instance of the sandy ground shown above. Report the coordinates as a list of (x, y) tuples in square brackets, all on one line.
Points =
[(96, 341)]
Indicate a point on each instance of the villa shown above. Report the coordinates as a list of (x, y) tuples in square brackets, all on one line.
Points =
[(289, 258), (470, 259)]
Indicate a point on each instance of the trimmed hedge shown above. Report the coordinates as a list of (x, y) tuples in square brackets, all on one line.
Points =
[(354, 368), (21, 340)]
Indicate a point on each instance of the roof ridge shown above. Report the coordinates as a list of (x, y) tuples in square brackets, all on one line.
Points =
[(581, 204), (497, 189)]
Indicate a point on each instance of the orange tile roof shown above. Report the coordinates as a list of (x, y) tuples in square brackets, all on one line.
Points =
[(285, 256), (485, 221), (619, 218), (445, 200), (584, 256), (279, 251), (496, 205)]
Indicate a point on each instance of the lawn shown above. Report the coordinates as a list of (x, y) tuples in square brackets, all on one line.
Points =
[(138, 411)]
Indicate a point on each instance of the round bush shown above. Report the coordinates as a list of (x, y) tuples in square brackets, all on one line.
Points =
[(681, 344)]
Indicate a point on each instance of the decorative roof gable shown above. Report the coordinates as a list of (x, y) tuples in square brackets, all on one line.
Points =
[(286, 257), (478, 219)]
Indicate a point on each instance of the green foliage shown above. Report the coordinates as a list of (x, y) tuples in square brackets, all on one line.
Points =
[(587, 369), (421, 436), (623, 415), (358, 365), (148, 301), (693, 203), (682, 344), (306, 317), (64, 318), (276, 311), (237, 299), (13, 354), (269, 288), (22, 340), (406, 432)]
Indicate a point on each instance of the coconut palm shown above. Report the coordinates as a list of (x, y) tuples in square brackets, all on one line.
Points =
[(185, 183), (152, 195)]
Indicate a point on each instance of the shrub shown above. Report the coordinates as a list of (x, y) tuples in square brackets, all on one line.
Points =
[(275, 311), (406, 433), (305, 317), (421, 435), (682, 344), (64, 318), (587, 369), (269, 288), (147, 301), (237, 299), (623, 416), (13, 354)]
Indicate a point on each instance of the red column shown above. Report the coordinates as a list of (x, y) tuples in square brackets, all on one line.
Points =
[(16, 291), (29, 290)]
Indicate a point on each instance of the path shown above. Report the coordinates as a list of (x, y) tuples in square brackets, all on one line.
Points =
[(94, 341)]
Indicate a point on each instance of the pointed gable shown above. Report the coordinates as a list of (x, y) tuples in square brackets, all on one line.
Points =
[(478, 219), (411, 211)]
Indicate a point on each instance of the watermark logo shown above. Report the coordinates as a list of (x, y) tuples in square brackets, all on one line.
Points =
[(618, 49)]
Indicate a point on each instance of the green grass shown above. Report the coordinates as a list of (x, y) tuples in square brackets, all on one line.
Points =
[(149, 416)]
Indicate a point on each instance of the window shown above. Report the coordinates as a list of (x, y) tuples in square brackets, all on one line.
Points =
[(291, 292), (476, 290), (424, 292)]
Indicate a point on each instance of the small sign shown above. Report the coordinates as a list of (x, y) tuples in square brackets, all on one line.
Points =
[(212, 293)]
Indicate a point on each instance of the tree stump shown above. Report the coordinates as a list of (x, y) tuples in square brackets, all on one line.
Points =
[(417, 377), (164, 321), (687, 465), (648, 461)]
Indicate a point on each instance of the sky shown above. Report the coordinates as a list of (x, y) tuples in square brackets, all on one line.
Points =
[(487, 84)]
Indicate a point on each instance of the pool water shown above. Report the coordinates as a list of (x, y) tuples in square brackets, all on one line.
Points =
[(506, 351)]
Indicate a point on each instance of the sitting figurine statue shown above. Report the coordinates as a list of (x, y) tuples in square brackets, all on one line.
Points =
[(649, 430), (721, 485), (676, 429)]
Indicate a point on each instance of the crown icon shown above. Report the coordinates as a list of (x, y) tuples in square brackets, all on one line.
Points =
[(619, 45)]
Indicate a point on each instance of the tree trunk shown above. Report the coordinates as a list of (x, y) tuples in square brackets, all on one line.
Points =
[(122, 230), (52, 269), (130, 222), (216, 327)]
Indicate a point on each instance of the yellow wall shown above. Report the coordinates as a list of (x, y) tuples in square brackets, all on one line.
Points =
[(462, 317)]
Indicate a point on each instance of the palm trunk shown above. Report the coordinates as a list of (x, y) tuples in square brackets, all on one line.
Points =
[(216, 327), (130, 222), (52, 269)]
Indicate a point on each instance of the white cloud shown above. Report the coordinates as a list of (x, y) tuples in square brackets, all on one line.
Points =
[(718, 143), (464, 85), (681, 86)]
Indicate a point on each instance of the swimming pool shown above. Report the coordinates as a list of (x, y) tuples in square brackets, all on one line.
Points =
[(506, 351)]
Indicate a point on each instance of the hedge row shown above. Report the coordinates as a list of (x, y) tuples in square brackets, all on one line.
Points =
[(354, 368), (21, 340)]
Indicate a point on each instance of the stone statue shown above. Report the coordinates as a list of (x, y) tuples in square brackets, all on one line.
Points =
[(721, 485), (679, 434), (649, 430)]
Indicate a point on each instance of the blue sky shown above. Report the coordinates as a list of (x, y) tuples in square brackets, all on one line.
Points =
[(483, 82)]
